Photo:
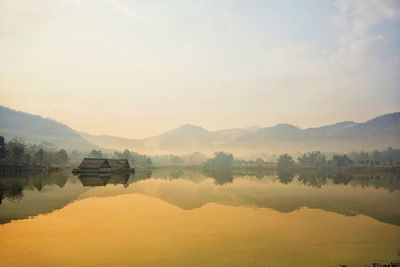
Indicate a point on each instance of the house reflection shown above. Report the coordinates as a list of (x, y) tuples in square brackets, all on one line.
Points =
[(92, 180)]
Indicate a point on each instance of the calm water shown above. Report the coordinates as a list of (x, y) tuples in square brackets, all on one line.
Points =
[(184, 218)]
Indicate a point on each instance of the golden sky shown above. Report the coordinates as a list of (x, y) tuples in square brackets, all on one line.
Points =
[(138, 68)]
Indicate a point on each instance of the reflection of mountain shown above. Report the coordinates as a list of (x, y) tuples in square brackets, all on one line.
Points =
[(39, 194), (270, 193), (22, 197), (373, 196), (376, 133)]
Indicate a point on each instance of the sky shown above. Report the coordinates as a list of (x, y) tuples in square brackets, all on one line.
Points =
[(138, 68)]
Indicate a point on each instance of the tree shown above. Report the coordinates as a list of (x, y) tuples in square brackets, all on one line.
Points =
[(126, 154), (96, 154), (61, 157), (341, 160), (259, 163), (2, 148), (285, 162), (220, 167), (134, 159), (285, 176), (15, 151), (38, 158), (221, 160), (314, 159)]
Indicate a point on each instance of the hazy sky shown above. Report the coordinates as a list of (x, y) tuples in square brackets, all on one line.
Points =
[(137, 68)]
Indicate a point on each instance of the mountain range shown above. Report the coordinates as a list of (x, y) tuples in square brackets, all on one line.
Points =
[(36, 129), (377, 133)]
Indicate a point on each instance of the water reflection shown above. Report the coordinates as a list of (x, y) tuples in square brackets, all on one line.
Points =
[(375, 195), (103, 180), (138, 230)]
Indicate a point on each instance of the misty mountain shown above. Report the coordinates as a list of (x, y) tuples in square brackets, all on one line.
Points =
[(36, 129), (377, 133)]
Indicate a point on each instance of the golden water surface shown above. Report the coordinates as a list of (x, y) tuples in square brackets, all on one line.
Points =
[(144, 224)]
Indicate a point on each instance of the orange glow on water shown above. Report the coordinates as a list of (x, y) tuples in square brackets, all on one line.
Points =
[(137, 230)]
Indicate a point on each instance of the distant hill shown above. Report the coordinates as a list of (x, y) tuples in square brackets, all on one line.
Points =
[(377, 133), (35, 129)]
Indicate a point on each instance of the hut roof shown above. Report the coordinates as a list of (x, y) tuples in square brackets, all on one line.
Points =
[(118, 164), (93, 163)]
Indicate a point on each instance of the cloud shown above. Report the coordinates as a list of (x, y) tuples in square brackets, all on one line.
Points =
[(354, 24), (357, 17), (123, 9)]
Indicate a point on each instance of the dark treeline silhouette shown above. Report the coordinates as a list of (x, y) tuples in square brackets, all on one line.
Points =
[(135, 159), (315, 160), (389, 155), (16, 152), (341, 162), (312, 169)]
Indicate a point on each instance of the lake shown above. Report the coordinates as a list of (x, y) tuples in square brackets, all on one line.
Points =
[(180, 217)]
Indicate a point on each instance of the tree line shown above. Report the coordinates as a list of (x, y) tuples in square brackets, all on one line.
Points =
[(16, 152), (316, 160)]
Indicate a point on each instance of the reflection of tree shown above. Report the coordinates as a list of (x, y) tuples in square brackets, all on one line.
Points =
[(15, 191), (285, 176), (220, 168), (221, 176), (313, 178), (37, 182), (119, 179), (13, 187), (176, 174), (43, 179), (11, 190), (341, 178), (2, 192), (259, 173), (59, 179), (140, 175)]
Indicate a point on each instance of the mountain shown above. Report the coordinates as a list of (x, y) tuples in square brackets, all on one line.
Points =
[(35, 129), (377, 133)]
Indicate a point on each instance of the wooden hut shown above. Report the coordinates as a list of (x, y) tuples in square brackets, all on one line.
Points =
[(93, 165), (119, 165)]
